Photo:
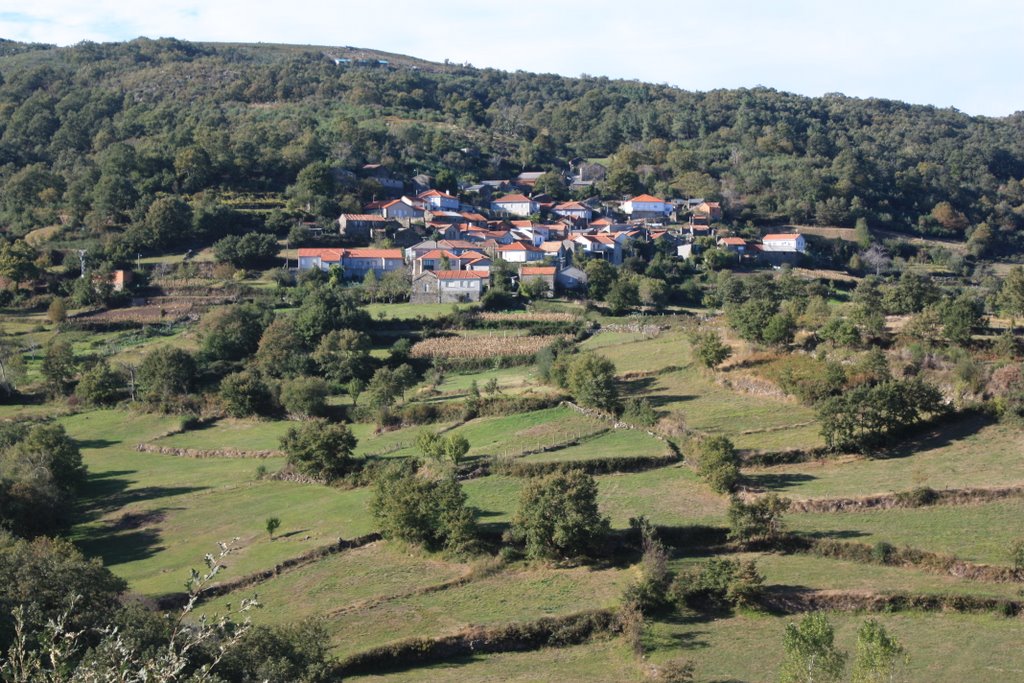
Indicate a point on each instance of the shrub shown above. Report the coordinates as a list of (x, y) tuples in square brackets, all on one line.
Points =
[(100, 385), (417, 507), (639, 411), (760, 520), (558, 518), (718, 463), (245, 393), (709, 348), (591, 380), (717, 584), (320, 449), (164, 374), (305, 396)]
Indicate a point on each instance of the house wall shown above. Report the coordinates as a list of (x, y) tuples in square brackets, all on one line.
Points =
[(516, 209)]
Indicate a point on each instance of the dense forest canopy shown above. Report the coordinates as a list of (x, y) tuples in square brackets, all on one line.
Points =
[(92, 135)]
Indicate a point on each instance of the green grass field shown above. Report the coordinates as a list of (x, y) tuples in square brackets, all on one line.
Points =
[(966, 454), (818, 573), (601, 661), (982, 532), (616, 443), (406, 311), (246, 435)]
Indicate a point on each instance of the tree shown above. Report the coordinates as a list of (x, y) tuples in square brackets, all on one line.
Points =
[(58, 367), (280, 351), (710, 349), (314, 189), (41, 576), (12, 367), (557, 517), (252, 250), (343, 355), (166, 373), (40, 472), (591, 379), (422, 508), (879, 655), (18, 261), (623, 295), (757, 521), (862, 417), (1011, 293), (810, 653), (305, 397), (449, 449), (320, 449), (779, 330), (355, 387), (56, 313), (168, 220), (246, 393), (101, 385), (718, 463), (272, 525), (233, 332), (600, 277)]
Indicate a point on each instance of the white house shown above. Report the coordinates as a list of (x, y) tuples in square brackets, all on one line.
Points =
[(576, 210), (398, 210), (355, 262), (436, 199), (646, 206), (520, 252), (784, 242), (515, 204)]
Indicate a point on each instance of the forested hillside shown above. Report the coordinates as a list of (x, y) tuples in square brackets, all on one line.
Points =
[(92, 135)]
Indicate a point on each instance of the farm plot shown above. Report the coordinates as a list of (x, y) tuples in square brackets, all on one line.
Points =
[(943, 648), (482, 346), (516, 594), (526, 432), (671, 496), (981, 532), (971, 453), (344, 579), (601, 661), (245, 435), (618, 443), (153, 542), (809, 571)]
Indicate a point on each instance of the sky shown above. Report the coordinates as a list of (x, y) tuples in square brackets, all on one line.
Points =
[(959, 54)]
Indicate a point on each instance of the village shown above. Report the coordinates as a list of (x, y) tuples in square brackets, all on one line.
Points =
[(449, 246)]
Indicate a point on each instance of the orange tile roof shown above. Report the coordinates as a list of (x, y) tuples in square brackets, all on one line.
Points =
[(375, 253), (734, 241), (571, 206), (537, 270), (646, 198), (434, 193), (460, 274), (324, 254), (363, 217), (513, 199), (438, 253), (518, 246), (552, 246)]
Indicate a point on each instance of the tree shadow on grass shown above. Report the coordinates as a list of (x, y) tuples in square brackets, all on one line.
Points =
[(834, 533), (934, 436), (773, 481), (120, 548), (109, 491), (96, 443)]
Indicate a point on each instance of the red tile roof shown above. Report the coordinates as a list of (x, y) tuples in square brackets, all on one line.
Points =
[(646, 198), (434, 193), (324, 254), (537, 270), (363, 217), (571, 206), (733, 241), (461, 274), (778, 236), (374, 253), (513, 199), (518, 246)]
